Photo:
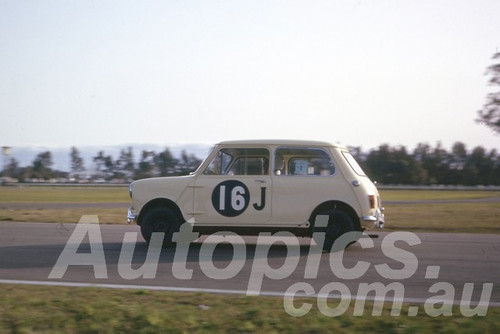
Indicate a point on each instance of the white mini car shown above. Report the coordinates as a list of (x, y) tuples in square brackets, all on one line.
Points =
[(248, 187)]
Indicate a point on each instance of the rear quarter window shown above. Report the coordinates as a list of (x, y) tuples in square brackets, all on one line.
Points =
[(303, 162), (353, 163)]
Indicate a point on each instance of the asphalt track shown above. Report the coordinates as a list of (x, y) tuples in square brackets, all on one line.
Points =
[(423, 264)]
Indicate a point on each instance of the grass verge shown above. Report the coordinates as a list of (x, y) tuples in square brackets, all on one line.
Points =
[(418, 195), (28, 309), (26, 194), (447, 217), (443, 217)]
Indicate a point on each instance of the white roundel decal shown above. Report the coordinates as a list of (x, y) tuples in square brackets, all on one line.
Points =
[(230, 198)]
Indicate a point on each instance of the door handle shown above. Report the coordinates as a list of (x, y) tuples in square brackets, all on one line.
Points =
[(260, 181)]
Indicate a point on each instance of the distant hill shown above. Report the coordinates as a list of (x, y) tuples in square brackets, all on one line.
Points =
[(60, 156)]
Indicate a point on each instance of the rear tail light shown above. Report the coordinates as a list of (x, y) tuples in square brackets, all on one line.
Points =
[(371, 200)]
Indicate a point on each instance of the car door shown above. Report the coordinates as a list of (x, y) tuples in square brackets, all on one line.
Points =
[(235, 188)]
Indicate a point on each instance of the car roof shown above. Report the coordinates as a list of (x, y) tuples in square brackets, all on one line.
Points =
[(279, 142)]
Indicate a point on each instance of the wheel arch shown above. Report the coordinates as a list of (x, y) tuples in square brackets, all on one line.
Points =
[(337, 205), (159, 202)]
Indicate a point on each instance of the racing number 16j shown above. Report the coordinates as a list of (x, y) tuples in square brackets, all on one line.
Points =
[(231, 198)]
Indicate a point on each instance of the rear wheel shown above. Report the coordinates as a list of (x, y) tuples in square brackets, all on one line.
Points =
[(160, 219), (338, 224)]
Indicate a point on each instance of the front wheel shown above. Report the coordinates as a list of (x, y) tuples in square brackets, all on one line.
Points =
[(339, 223), (160, 219)]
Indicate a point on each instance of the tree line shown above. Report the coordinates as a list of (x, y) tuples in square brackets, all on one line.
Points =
[(425, 165), (428, 165), (104, 168)]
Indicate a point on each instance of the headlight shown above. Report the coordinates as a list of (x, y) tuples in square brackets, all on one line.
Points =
[(130, 190)]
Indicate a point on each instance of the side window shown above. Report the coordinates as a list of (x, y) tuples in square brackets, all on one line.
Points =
[(239, 161), (303, 161), (250, 166)]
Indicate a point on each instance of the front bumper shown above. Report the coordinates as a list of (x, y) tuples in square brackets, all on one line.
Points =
[(376, 220), (131, 215)]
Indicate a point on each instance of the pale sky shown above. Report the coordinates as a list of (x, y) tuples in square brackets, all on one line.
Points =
[(361, 73)]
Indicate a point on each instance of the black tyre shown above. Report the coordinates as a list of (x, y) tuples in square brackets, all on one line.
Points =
[(160, 219), (339, 223)]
